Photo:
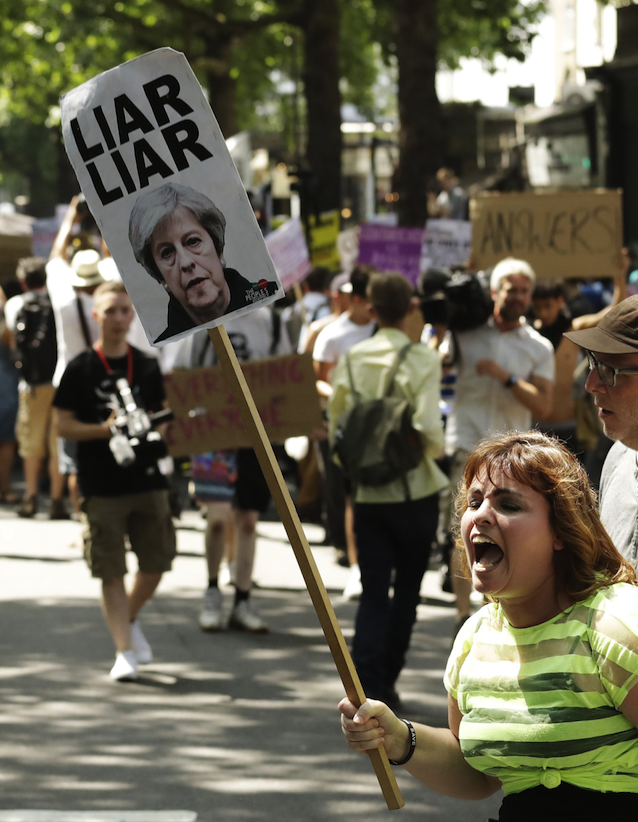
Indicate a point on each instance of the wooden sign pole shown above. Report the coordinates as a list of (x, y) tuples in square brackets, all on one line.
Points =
[(299, 298), (307, 565)]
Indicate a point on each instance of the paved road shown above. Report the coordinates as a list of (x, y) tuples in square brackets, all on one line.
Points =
[(225, 727)]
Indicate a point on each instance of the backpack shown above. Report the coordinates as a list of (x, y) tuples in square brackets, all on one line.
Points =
[(374, 440), (36, 349)]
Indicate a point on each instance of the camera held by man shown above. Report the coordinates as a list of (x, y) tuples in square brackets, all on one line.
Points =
[(133, 430)]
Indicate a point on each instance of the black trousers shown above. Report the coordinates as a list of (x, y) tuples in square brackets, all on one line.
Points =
[(391, 537), (567, 802), (333, 491)]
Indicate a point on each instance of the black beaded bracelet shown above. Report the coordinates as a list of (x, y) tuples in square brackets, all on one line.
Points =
[(412, 747)]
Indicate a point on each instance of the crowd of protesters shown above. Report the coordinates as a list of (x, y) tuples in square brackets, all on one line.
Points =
[(480, 441)]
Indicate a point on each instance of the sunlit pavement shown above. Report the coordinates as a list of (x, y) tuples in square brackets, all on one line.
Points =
[(223, 726)]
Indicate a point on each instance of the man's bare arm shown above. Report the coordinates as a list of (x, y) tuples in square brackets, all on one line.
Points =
[(536, 394), (620, 292), (70, 428), (323, 370), (62, 239)]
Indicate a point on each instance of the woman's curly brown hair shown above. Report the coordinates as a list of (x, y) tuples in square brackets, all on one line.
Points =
[(589, 560)]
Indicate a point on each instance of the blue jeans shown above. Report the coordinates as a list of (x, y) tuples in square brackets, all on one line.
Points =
[(390, 537)]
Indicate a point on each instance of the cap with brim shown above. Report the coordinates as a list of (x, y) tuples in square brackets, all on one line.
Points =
[(616, 333), (339, 282), (86, 270)]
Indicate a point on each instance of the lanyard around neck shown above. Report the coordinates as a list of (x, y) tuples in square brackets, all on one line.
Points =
[(129, 361)]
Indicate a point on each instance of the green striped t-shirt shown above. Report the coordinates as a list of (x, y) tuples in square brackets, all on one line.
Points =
[(541, 705)]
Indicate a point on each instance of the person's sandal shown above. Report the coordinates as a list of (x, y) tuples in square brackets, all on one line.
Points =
[(9, 498), (28, 507), (58, 510)]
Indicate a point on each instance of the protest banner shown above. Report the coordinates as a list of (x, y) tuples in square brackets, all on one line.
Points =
[(446, 243), (324, 232), (289, 253), (560, 234), (145, 145), (207, 417), (348, 246), (390, 248), (158, 96)]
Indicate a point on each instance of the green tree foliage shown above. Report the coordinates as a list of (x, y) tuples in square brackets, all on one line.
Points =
[(28, 162), (485, 28), (470, 28), (49, 46), (241, 50)]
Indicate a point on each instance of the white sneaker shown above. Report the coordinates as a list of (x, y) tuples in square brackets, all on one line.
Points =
[(353, 589), (210, 617), (244, 617), (125, 668), (141, 648)]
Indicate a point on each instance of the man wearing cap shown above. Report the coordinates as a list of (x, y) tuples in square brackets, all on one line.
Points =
[(340, 301), (71, 290), (612, 351)]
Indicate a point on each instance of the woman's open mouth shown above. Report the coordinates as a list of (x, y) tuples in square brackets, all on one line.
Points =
[(194, 282), (487, 555)]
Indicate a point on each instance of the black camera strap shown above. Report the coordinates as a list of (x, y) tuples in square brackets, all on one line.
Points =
[(83, 323)]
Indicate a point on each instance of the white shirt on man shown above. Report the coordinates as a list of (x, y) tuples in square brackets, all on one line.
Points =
[(619, 499), (482, 405), (252, 336), (338, 337), (68, 325)]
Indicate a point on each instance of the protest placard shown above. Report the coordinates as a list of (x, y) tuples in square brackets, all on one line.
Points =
[(289, 252), (324, 232), (561, 234), (207, 417), (446, 243), (348, 246), (390, 248), (165, 193)]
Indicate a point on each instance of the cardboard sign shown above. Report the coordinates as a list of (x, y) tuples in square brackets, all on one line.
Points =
[(207, 417), (323, 240), (165, 193), (392, 249), (446, 243), (566, 234), (289, 251), (348, 246)]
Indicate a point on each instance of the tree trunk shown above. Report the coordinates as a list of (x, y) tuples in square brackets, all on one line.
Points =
[(222, 88), (419, 109), (323, 99)]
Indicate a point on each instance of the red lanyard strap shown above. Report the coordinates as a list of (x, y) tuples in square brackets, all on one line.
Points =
[(129, 361)]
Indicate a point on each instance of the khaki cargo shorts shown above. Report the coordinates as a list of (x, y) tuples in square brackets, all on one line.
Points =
[(34, 425), (145, 518)]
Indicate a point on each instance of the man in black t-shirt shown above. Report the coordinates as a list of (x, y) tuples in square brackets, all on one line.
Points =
[(118, 500)]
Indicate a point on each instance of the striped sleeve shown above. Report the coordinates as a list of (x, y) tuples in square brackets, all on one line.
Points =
[(613, 635), (460, 650)]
